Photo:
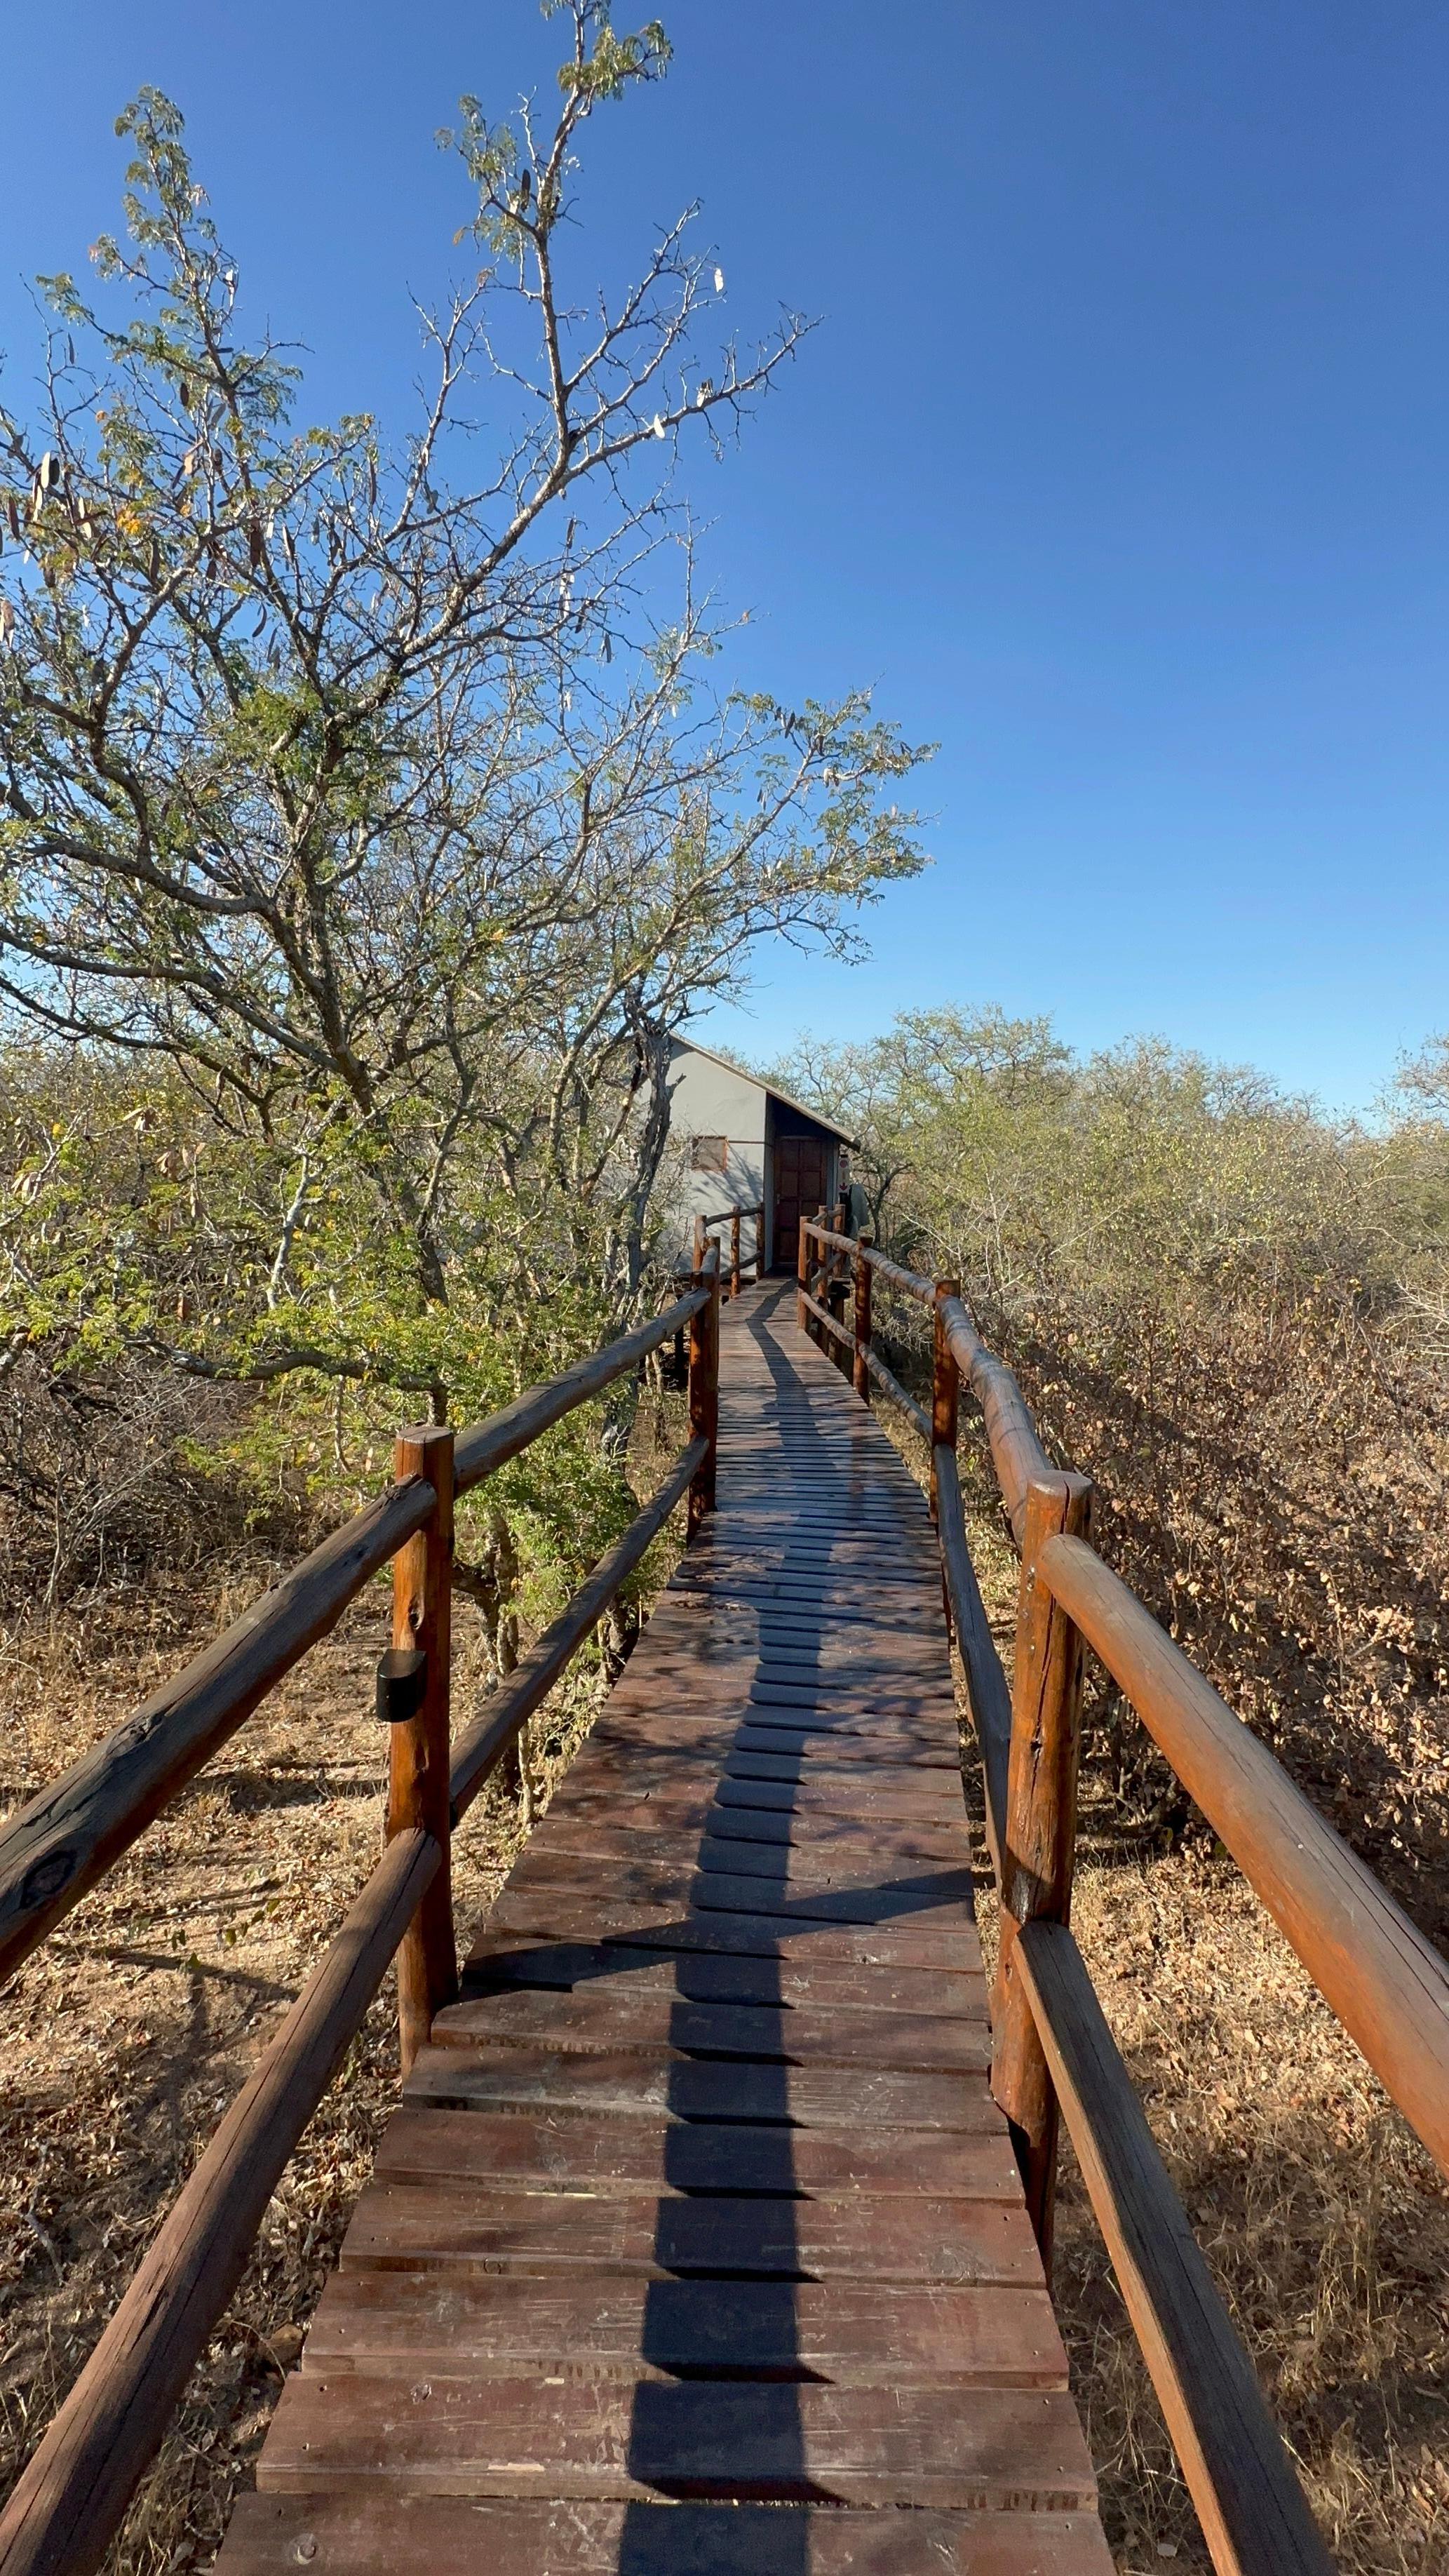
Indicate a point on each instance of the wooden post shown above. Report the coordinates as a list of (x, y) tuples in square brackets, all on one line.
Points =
[(802, 1275), (945, 1386), (419, 1751), (704, 1391), (701, 1246), (1041, 1832), (861, 1371), (837, 1285), (735, 1254)]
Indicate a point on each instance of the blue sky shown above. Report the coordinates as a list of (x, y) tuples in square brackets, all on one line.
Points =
[(1120, 465)]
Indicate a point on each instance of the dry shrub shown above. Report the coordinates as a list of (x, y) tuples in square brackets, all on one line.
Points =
[(105, 1475), (1272, 1482)]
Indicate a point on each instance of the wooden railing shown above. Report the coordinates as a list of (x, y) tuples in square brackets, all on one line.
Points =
[(73, 2493), (1053, 2053), (732, 1268)]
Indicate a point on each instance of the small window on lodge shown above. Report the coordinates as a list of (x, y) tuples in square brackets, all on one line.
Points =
[(710, 1153)]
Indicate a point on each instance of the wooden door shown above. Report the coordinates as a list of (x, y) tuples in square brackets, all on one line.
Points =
[(800, 1171)]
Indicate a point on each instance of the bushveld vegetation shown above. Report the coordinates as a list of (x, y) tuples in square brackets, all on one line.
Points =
[(373, 808), (371, 812)]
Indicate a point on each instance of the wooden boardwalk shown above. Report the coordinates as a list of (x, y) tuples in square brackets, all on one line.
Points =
[(696, 2247)]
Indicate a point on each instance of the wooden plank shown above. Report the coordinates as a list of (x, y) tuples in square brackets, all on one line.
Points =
[(693, 2088), (1008, 2451), (794, 1655), (787, 1858), (886, 1569), (897, 1748), (501, 1961), (918, 1722), (673, 1821), (457, 2228), (603, 2326), (572, 1914), (798, 1871), (622, 2018), (839, 1601), (944, 1895), (839, 1800), (910, 1719), (663, 1785), (343, 2535), (650, 2156)]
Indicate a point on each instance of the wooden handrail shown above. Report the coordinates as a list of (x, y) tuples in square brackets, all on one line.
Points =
[(733, 1217), (72, 2494), (509, 1707), (58, 1845), (1386, 1982), (1250, 2505), (517, 1425), (723, 1215), (916, 1414), (828, 1323), (1015, 1447), (909, 1281), (986, 1682)]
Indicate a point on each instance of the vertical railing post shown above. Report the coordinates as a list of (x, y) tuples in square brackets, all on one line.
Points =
[(704, 1388), (735, 1255), (417, 1789), (1041, 1832), (837, 1279), (861, 1320), (802, 1275), (945, 1384)]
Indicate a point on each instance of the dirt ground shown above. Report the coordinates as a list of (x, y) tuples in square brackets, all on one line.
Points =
[(1326, 2226)]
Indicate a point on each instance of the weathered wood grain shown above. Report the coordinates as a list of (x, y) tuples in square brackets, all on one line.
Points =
[(343, 2535), (457, 2227), (598, 2325), (628, 2155), (1014, 2450)]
